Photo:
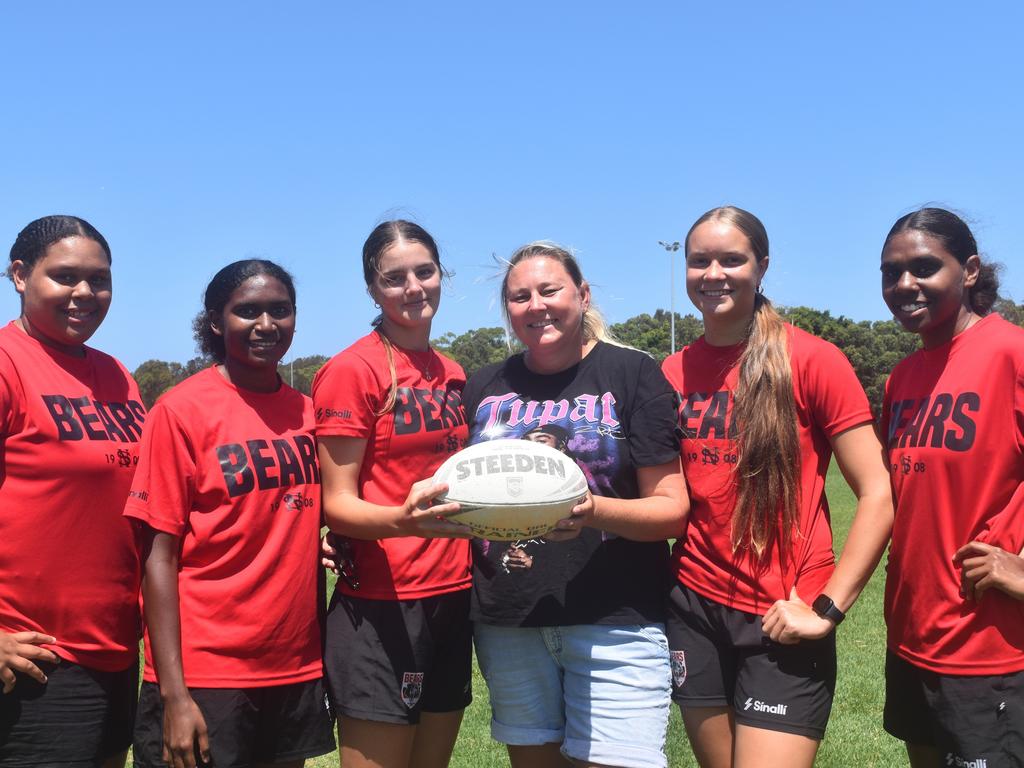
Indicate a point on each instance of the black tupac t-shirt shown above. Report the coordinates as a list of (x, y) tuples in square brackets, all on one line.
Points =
[(612, 412)]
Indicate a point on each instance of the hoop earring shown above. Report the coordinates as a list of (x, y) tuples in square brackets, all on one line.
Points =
[(759, 290), (376, 305)]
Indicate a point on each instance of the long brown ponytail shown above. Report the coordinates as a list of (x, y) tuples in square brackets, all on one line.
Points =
[(768, 495), (764, 410)]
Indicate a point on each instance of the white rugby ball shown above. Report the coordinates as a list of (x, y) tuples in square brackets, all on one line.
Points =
[(511, 489)]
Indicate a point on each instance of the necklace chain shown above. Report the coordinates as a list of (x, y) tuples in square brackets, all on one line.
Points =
[(425, 368)]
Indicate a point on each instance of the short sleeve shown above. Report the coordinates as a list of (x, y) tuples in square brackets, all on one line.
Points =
[(831, 390), (8, 379), (1018, 404), (473, 390), (886, 414), (346, 398), (653, 427), (164, 482)]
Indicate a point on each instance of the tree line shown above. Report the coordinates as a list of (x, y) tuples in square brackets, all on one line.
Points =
[(872, 346)]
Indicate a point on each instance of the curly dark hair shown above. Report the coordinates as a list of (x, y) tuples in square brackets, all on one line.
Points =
[(218, 294)]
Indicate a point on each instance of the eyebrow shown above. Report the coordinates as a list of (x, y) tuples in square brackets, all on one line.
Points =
[(412, 268), (926, 257), (539, 286), (718, 253), (77, 267), (272, 303)]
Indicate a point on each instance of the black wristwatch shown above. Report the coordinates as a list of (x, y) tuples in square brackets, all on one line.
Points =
[(824, 607)]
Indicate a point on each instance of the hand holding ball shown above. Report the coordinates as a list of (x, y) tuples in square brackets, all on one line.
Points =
[(511, 489)]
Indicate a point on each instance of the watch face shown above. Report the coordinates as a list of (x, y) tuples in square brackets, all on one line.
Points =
[(822, 604), (824, 607)]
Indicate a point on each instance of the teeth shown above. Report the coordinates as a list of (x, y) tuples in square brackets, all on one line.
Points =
[(716, 294), (912, 307), (540, 324)]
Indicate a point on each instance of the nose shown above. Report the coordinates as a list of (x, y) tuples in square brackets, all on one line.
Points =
[(536, 302), (714, 270), (412, 285), (82, 289), (265, 323), (905, 281)]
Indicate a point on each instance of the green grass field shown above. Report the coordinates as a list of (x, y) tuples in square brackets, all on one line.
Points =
[(855, 736)]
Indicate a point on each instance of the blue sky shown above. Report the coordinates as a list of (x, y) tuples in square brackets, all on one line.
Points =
[(194, 134)]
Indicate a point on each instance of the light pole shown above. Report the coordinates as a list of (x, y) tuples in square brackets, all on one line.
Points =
[(671, 248)]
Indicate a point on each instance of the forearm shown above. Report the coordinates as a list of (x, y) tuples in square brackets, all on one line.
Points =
[(649, 519), (868, 537), (348, 515), (163, 618)]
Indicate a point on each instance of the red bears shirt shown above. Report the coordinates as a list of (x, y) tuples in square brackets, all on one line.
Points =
[(71, 427), (234, 474), (829, 400), (403, 446), (953, 419)]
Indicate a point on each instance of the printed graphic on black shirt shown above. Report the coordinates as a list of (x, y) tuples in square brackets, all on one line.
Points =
[(587, 430), (519, 554), (615, 413)]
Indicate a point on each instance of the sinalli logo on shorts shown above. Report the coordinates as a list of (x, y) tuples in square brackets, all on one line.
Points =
[(959, 762), (760, 706)]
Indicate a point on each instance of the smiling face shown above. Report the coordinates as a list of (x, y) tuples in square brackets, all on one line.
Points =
[(65, 294), (925, 287), (545, 307), (407, 286), (722, 276), (257, 325)]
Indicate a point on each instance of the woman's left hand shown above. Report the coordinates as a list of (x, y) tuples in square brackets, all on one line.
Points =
[(790, 621), (329, 553), (570, 527)]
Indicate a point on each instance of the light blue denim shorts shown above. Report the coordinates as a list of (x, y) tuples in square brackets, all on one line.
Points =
[(602, 691)]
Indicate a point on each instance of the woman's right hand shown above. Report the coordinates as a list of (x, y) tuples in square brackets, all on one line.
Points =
[(790, 621), (420, 517), (185, 733), (17, 652)]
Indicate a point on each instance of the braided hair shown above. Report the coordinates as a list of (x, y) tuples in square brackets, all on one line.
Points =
[(32, 242)]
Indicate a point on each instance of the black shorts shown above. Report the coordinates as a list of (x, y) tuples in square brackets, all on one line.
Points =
[(246, 725), (389, 660), (972, 720), (79, 717), (721, 658)]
